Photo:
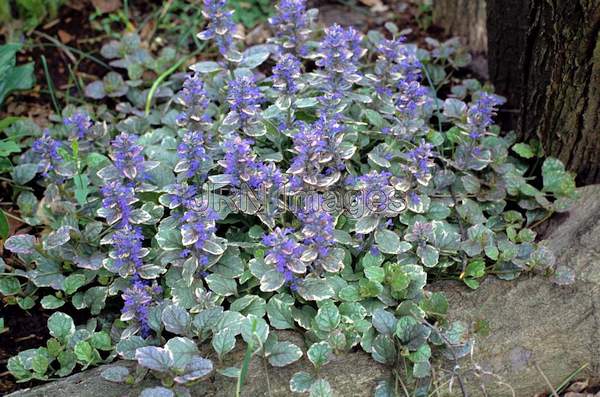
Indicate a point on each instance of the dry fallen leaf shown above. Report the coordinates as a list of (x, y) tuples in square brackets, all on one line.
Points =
[(64, 36), (105, 6)]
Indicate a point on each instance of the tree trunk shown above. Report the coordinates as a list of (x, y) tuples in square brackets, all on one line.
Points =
[(465, 18), (544, 56)]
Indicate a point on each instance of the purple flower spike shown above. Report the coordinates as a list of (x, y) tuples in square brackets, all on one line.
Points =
[(221, 27), (80, 123)]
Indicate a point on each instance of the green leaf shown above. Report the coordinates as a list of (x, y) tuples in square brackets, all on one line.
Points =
[(428, 254), (61, 325), (523, 150), (388, 242), (51, 302), (3, 226), (321, 388), (39, 364), (319, 354), (84, 352), (435, 305), (182, 350), (475, 269), (383, 350), (82, 183), (223, 342), (301, 382), (384, 322), (374, 117), (221, 285), (73, 282), (374, 273), (284, 353), (315, 289), (254, 330), (101, 341), (556, 179), (279, 311), (328, 317), (24, 173)]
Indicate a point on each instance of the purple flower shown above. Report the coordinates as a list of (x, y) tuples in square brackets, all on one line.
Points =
[(192, 153), (137, 301), (181, 194), (317, 160), (46, 149), (221, 27), (286, 74), (198, 225), (284, 253), (480, 113), (117, 202), (395, 63), (80, 123), (194, 99), (339, 53), (244, 98), (317, 230), (238, 159), (421, 161), (410, 98), (291, 25), (127, 156), (127, 250)]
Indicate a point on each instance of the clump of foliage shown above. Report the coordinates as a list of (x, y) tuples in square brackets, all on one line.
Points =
[(31, 13), (13, 77), (314, 183)]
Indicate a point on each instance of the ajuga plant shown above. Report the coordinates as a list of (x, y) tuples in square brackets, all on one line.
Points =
[(315, 183)]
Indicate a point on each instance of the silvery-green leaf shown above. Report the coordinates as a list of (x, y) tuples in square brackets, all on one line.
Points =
[(387, 241), (342, 237), (182, 350), (157, 391), (428, 254), (24, 173), (212, 247), (95, 90), (253, 59), (563, 275), (207, 318), (384, 389), (279, 311), (138, 216), (221, 285), (383, 349), (231, 320), (328, 317), (115, 373), (230, 265), (384, 322), (206, 67), (319, 354), (314, 289), (255, 330), (50, 302), (284, 353), (258, 267), (127, 347), (272, 280), (454, 108), (320, 388), (197, 368), (73, 282), (223, 341), (301, 382), (61, 325), (176, 319), (305, 103), (169, 239), (230, 372), (20, 244), (366, 224), (334, 262), (155, 358), (249, 304)]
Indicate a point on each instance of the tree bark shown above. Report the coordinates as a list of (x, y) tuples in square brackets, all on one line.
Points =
[(465, 18), (544, 56)]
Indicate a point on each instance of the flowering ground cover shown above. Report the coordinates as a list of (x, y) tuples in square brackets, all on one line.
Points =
[(317, 182)]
